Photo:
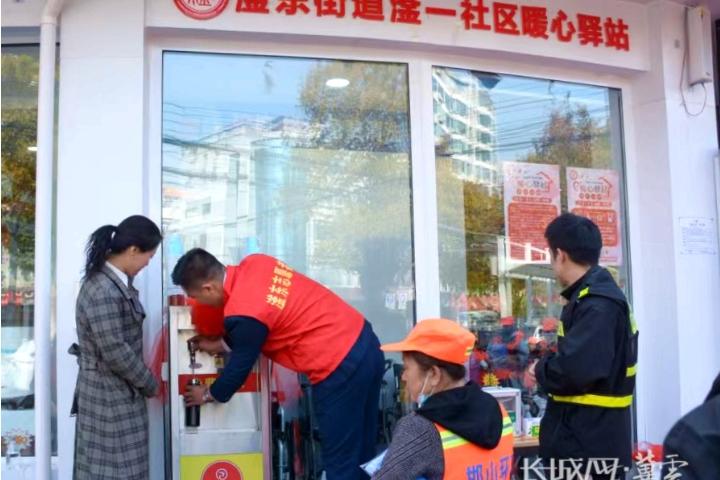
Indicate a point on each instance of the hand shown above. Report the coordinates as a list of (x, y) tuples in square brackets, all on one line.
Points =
[(211, 345), (152, 390), (195, 395)]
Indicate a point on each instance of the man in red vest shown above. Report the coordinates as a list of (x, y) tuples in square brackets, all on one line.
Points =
[(271, 309)]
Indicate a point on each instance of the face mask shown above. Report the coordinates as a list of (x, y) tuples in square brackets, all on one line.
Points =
[(422, 398)]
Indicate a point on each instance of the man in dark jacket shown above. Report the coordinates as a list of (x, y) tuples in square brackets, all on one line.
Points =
[(692, 448), (591, 379)]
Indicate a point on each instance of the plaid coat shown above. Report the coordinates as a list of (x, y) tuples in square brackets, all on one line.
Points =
[(111, 440)]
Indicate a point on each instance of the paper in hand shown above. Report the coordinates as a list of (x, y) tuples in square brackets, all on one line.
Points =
[(374, 465)]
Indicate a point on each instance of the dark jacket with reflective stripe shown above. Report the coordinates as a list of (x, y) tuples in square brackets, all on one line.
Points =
[(597, 346)]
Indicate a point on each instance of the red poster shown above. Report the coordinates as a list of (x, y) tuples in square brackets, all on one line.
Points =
[(532, 200), (595, 194)]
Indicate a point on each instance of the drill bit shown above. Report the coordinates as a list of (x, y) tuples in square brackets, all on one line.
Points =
[(192, 349)]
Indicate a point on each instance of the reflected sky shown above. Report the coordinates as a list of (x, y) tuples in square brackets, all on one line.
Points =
[(523, 106), (204, 93)]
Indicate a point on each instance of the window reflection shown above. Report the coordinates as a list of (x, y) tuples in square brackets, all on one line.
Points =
[(19, 118), (495, 282), (266, 156), (306, 160)]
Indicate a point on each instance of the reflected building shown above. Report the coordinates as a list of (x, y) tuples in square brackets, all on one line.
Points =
[(244, 189), (464, 119), (208, 189)]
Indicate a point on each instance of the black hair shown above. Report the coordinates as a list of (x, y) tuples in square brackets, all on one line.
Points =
[(426, 362), (577, 236), (135, 231), (196, 266)]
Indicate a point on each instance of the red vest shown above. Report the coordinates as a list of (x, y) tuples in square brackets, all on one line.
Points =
[(467, 461), (310, 329)]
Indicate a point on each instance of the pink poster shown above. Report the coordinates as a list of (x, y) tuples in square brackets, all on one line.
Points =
[(595, 193), (532, 200)]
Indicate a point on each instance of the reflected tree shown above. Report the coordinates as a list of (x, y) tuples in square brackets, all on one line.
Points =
[(19, 116), (357, 168), (572, 138)]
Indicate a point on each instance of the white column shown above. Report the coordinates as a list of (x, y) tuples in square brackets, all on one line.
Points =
[(43, 240), (424, 187), (670, 175), (101, 166)]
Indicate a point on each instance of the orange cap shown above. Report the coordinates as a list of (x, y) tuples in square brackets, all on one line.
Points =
[(439, 338)]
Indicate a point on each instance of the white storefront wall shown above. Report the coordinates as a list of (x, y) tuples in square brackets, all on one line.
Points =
[(109, 157)]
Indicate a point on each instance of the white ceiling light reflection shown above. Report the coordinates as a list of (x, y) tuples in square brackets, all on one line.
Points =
[(337, 83)]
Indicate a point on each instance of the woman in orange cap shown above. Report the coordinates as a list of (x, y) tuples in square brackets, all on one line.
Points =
[(458, 431)]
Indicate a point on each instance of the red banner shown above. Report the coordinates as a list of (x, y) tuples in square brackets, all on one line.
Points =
[(537, 22)]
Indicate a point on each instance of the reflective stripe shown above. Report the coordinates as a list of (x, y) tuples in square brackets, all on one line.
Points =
[(589, 399), (460, 442), (508, 428), (631, 371), (633, 325), (450, 440), (561, 329), (583, 293)]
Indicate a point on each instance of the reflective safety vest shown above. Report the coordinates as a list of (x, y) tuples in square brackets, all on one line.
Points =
[(466, 461)]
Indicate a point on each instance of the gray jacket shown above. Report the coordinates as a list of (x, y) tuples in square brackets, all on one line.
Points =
[(111, 440), (415, 451)]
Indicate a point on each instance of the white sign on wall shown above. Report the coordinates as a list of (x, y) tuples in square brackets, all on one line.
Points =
[(698, 236)]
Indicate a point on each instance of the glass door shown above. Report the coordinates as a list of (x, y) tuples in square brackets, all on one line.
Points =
[(307, 160)]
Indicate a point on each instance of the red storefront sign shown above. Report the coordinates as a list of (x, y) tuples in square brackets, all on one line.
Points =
[(532, 200), (504, 18), (595, 194)]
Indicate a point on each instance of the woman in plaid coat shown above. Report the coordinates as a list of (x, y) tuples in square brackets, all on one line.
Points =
[(111, 439)]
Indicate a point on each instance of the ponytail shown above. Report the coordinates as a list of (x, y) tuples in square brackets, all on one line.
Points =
[(135, 231), (98, 247)]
